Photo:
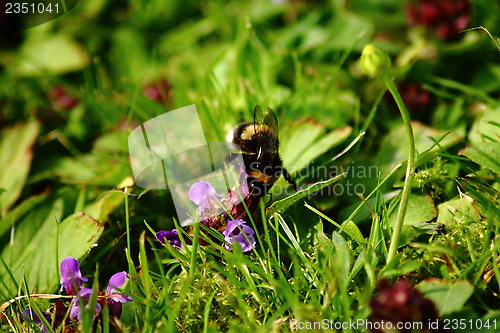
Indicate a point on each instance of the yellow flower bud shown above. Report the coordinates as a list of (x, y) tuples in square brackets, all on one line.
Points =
[(374, 61)]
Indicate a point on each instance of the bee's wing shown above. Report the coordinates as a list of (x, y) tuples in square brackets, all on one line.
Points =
[(258, 116), (265, 122), (267, 118)]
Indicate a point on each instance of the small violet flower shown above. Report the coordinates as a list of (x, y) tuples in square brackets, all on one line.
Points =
[(71, 275), (237, 231), (31, 316), (201, 193), (115, 298), (172, 237), (76, 311)]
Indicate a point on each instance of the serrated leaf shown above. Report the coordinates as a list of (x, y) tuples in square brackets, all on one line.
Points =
[(16, 145), (282, 205), (486, 154), (37, 256), (448, 297)]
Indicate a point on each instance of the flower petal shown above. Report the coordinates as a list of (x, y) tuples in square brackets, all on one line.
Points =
[(30, 314), (202, 193), (118, 280), (246, 245), (238, 232), (76, 311), (199, 191), (232, 226), (70, 274), (172, 237)]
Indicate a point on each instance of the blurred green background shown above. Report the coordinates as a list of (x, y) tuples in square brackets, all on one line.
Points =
[(72, 89)]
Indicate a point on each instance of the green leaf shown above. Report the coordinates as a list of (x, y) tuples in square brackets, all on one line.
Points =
[(282, 205), (27, 207), (334, 256), (459, 210), (483, 128), (37, 256), (420, 210), (113, 142), (55, 54), (16, 145), (352, 230), (448, 297), (486, 154), (96, 168), (306, 140), (392, 152), (342, 259), (321, 146), (105, 205), (402, 269)]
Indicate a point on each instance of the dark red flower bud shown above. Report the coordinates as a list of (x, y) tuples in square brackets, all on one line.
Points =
[(61, 100), (402, 303), (444, 18), (159, 91)]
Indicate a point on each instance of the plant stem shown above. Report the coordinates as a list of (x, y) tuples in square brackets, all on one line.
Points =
[(196, 235), (410, 167)]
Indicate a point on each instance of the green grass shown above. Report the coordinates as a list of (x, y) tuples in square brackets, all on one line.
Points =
[(320, 253)]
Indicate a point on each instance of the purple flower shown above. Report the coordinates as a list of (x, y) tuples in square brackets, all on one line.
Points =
[(31, 315), (76, 311), (237, 231), (172, 237), (71, 275), (201, 193), (115, 298)]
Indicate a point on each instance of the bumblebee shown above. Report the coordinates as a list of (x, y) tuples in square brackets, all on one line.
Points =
[(258, 143)]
